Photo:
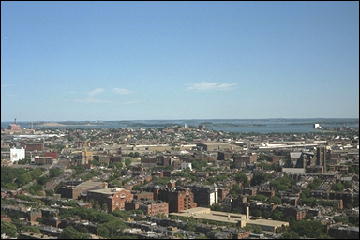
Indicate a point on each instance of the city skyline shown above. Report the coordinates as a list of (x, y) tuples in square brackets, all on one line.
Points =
[(122, 61)]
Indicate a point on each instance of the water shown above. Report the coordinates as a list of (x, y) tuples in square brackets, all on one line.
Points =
[(229, 125)]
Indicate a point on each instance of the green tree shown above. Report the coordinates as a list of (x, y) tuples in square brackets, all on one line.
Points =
[(111, 229), (290, 235), (72, 233), (8, 228), (337, 187), (275, 200), (308, 228), (241, 177), (127, 162), (55, 172), (259, 178)]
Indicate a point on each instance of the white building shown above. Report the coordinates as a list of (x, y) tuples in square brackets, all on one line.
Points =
[(317, 125), (185, 165), (17, 154)]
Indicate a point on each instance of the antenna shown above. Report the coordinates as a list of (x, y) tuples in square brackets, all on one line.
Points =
[(15, 121)]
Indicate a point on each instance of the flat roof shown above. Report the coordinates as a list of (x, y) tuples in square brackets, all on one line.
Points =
[(89, 184), (108, 191), (206, 213)]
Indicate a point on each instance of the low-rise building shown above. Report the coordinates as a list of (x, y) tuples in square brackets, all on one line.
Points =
[(113, 198)]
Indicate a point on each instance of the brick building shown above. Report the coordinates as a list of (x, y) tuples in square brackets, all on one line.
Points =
[(179, 199), (223, 193), (29, 147), (149, 207), (74, 190), (143, 195), (114, 198), (205, 196), (241, 161)]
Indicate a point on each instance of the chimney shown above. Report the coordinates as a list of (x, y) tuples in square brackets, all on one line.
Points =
[(247, 213)]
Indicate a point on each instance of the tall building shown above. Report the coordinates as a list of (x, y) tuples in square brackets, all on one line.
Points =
[(321, 157)]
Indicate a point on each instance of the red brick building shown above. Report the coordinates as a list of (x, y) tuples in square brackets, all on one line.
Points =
[(51, 154), (179, 199), (223, 193), (143, 195), (150, 208), (114, 198), (29, 147)]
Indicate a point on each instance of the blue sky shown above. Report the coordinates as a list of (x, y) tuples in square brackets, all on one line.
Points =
[(178, 60)]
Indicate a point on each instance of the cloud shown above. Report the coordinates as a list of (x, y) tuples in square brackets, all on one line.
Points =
[(95, 92), (90, 100), (121, 91), (131, 102), (205, 86)]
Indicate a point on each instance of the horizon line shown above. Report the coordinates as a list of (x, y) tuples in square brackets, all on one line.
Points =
[(189, 119)]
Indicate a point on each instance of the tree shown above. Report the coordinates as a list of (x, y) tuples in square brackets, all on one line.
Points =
[(259, 178), (55, 172), (275, 200), (72, 233), (127, 162), (235, 190), (23, 179), (338, 187), (290, 235), (241, 177), (308, 228), (111, 229), (8, 228)]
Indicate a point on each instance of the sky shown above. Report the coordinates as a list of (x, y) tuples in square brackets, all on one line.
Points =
[(179, 60)]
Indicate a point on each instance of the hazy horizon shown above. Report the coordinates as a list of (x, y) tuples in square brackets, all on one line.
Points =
[(188, 119)]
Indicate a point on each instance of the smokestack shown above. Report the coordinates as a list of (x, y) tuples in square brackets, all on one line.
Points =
[(247, 213), (15, 121)]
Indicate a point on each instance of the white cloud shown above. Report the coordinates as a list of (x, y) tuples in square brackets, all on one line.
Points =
[(91, 100), (121, 91), (95, 92), (131, 102), (204, 86), (91, 96)]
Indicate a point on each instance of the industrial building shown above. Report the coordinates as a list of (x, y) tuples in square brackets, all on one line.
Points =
[(240, 219)]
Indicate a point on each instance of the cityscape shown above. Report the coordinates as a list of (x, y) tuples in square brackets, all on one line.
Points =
[(108, 133)]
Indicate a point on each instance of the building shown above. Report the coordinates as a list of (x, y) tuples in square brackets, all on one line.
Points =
[(113, 198), (149, 207), (143, 196), (205, 196), (86, 157), (321, 157), (16, 154), (241, 161), (240, 219), (223, 193), (344, 232), (186, 165), (218, 146), (74, 190), (51, 154), (43, 160), (179, 199), (30, 147)]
